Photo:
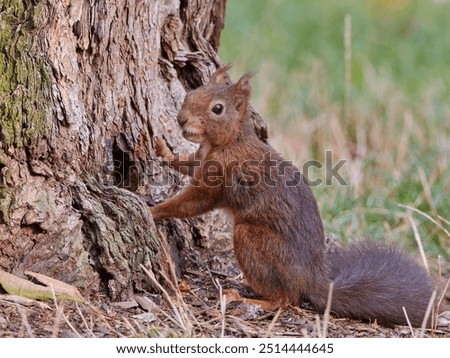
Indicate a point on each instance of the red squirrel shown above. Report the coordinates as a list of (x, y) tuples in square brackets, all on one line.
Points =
[(278, 235)]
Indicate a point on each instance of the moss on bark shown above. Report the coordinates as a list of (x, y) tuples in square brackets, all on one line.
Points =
[(24, 74)]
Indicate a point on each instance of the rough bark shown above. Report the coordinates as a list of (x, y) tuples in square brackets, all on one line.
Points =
[(84, 88)]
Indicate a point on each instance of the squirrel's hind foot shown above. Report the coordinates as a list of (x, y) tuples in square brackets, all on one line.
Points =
[(232, 295)]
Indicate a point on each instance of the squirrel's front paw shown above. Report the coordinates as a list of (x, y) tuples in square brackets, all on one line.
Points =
[(162, 150)]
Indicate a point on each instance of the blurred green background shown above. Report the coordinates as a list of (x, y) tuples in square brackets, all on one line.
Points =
[(369, 80)]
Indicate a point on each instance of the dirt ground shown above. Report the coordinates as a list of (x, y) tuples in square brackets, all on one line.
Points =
[(192, 308)]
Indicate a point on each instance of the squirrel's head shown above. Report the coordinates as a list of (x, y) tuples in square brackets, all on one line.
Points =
[(214, 113)]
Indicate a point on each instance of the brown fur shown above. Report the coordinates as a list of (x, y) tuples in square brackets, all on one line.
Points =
[(278, 233)]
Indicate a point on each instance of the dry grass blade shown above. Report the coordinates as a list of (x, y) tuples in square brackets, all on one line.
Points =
[(439, 266), (444, 220), (89, 329), (246, 328), (188, 315), (166, 295), (181, 316), (25, 322), (318, 326), (273, 322), (419, 242), (426, 216), (184, 313), (409, 322), (223, 306), (72, 327), (101, 317), (130, 327), (443, 294), (326, 315), (426, 185), (60, 312), (56, 325), (427, 315), (348, 61)]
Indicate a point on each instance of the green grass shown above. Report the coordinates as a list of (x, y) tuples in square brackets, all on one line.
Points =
[(391, 121)]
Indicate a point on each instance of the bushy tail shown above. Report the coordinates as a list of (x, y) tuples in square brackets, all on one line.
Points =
[(372, 281)]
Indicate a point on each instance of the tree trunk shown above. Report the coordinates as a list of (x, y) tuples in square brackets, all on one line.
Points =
[(84, 87)]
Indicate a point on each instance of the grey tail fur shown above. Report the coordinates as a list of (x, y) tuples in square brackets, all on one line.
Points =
[(373, 282)]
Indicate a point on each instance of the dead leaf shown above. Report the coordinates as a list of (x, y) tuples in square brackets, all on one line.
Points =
[(146, 316), (184, 286), (444, 319), (146, 303)]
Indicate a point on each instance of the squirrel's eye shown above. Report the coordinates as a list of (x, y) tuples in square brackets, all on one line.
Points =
[(218, 108)]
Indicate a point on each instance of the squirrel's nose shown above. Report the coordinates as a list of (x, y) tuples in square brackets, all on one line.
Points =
[(181, 119)]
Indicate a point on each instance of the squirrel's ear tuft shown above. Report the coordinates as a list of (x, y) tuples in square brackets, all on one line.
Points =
[(242, 89), (221, 76)]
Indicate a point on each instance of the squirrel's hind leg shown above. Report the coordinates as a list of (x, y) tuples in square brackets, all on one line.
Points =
[(261, 254)]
